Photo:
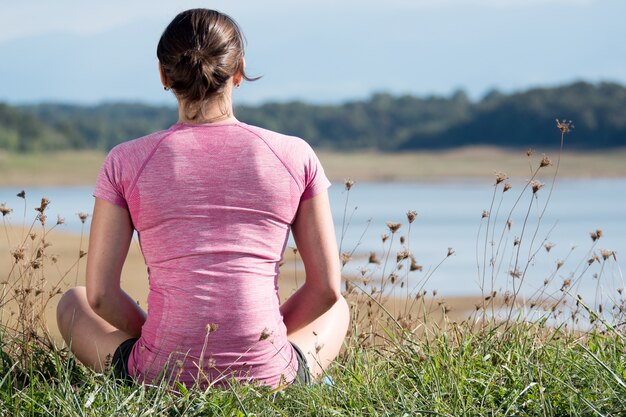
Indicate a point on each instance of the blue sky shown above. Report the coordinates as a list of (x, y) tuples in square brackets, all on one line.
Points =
[(318, 51)]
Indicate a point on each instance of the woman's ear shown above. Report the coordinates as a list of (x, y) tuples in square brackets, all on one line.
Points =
[(163, 77), (239, 75)]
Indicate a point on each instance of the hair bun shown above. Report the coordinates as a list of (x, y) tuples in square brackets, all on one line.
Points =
[(199, 51)]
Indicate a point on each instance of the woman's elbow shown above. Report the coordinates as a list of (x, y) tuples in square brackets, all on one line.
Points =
[(95, 298), (330, 297)]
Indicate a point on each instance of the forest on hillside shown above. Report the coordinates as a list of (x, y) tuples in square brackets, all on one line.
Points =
[(383, 122)]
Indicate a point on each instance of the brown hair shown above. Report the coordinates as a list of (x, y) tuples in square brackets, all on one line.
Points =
[(199, 51)]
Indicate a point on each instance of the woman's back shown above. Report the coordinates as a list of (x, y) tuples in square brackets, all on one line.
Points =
[(212, 205)]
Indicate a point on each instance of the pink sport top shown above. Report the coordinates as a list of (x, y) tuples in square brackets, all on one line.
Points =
[(212, 206)]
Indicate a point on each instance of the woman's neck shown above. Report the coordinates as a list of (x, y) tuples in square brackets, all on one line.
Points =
[(218, 110)]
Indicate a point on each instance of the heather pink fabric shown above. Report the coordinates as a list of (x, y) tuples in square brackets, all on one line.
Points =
[(212, 205)]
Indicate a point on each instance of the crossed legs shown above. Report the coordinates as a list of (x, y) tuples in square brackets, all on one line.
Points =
[(321, 340), (89, 336)]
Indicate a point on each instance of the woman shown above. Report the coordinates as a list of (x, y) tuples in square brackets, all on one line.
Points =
[(212, 200)]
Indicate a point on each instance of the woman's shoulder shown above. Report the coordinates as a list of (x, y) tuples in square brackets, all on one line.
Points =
[(143, 143), (279, 141), (295, 153)]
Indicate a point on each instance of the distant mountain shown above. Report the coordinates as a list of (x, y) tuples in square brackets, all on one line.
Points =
[(383, 122)]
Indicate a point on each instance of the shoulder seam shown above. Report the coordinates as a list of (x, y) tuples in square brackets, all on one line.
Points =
[(145, 162), (276, 155)]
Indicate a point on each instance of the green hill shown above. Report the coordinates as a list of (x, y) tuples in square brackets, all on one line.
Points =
[(382, 122)]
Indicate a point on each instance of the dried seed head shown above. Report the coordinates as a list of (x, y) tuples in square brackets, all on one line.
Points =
[(42, 218), (345, 257), (564, 126), (566, 284), (42, 206), (500, 176), (434, 293), (606, 254), (414, 265), (4, 209), (348, 183), (373, 259), (60, 220), (82, 216), (81, 253), (318, 347), (22, 194), (54, 258), (596, 235), (402, 240), (485, 214), (294, 250), (393, 227), (536, 185), (450, 252), (509, 223), (411, 215), (559, 264), (402, 255), (265, 334), (18, 254), (35, 263), (545, 161), (507, 187), (212, 327), (548, 246), (515, 273), (546, 282), (516, 241), (393, 277), (530, 152), (384, 237), (593, 259)]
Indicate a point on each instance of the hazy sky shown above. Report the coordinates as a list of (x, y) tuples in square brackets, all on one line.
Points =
[(318, 51)]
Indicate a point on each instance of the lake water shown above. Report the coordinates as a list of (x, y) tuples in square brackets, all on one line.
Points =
[(450, 216)]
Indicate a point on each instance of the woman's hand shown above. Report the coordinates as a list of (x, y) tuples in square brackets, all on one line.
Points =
[(109, 240)]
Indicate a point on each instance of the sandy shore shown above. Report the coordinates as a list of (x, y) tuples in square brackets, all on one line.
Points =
[(63, 268), (51, 169)]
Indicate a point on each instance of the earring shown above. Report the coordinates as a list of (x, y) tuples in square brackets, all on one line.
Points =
[(166, 88)]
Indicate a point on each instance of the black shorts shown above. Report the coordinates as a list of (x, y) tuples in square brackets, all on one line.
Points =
[(119, 364)]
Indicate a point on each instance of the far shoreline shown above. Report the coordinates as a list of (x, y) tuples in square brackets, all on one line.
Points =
[(76, 168)]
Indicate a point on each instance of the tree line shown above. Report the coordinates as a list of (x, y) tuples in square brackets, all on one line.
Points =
[(382, 122)]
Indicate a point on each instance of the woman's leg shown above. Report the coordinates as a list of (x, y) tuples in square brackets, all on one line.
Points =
[(321, 340), (89, 336)]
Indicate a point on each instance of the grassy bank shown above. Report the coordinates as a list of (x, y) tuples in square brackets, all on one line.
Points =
[(552, 354), (415, 355), (81, 168)]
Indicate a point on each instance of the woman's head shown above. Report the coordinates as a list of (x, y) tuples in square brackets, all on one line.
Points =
[(200, 51)]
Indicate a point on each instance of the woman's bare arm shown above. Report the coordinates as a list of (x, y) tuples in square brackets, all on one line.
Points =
[(315, 238), (109, 240)]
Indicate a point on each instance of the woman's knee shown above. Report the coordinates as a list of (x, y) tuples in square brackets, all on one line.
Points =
[(342, 313), (67, 307)]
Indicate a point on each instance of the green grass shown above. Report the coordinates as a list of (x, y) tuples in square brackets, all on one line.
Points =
[(528, 370)]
